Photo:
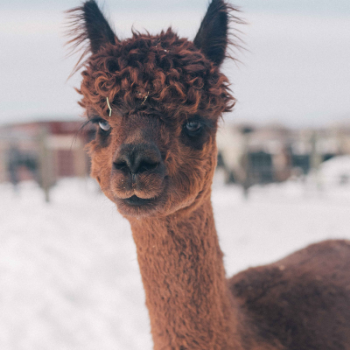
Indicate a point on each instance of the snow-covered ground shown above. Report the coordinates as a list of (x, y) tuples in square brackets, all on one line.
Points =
[(68, 272)]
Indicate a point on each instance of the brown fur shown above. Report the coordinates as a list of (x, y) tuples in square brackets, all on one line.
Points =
[(302, 300), (155, 158)]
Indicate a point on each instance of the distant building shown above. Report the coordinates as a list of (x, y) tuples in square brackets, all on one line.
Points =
[(273, 153), (44, 148)]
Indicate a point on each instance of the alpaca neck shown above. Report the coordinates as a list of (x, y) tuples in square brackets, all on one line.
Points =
[(184, 279)]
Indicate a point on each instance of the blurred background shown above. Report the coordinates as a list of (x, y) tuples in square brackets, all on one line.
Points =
[(68, 272)]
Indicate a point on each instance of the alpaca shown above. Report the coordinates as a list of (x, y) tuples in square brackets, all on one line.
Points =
[(156, 101)]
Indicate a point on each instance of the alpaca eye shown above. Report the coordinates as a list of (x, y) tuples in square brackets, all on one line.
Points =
[(193, 126), (104, 125)]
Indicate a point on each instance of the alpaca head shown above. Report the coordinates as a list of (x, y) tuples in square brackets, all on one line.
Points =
[(156, 101)]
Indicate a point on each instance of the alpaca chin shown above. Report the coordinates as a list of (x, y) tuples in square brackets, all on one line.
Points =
[(166, 203), (138, 207)]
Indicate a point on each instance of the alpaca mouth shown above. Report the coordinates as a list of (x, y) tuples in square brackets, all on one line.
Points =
[(137, 201), (140, 207)]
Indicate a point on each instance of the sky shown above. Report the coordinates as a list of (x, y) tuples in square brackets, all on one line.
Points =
[(295, 69)]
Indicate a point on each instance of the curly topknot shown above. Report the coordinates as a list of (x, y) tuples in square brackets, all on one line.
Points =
[(171, 72)]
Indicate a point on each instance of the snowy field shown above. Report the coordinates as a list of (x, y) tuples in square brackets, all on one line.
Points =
[(69, 278)]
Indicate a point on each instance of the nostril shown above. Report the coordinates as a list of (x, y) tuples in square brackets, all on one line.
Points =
[(121, 165), (147, 166)]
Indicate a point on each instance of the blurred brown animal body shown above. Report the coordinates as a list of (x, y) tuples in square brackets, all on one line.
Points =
[(155, 157)]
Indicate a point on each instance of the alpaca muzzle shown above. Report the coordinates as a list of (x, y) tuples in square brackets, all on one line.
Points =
[(138, 171)]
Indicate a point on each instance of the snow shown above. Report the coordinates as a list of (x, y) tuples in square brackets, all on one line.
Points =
[(69, 277), (336, 171)]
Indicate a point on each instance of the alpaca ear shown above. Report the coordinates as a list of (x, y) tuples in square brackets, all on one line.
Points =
[(212, 37), (89, 24), (97, 27)]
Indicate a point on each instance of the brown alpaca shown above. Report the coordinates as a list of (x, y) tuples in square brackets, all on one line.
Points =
[(156, 101)]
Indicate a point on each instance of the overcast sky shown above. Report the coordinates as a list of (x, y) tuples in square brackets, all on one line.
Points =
[(296, 69), (313, 7)]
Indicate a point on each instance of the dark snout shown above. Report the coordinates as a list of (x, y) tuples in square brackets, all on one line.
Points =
[(138, 158), (138, 170)]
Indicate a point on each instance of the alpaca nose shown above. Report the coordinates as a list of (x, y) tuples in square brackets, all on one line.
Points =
[(136, 159)]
